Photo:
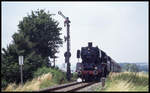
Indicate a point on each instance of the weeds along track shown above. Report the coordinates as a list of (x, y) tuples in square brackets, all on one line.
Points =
[(70, 87)]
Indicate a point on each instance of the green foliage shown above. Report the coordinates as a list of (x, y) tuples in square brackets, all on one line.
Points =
[(58, 76), (37, 39), (4, 83), (138, 67), (42, 31), (10, 67), (134, 68), (41, 71), (131, 67), (46, 84), (128, 67), (74, 76)]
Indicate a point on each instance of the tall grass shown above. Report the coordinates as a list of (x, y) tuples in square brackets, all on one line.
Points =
[(33, 85), (126, 81), (44, 77)]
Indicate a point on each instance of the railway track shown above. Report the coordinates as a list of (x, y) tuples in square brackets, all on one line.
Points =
[(70, 87)]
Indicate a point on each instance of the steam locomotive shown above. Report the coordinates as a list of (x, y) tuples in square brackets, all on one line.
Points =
[(95, 64)]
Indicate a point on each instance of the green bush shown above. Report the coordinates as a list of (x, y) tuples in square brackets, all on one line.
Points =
[(74, 76), (41, 71), (4, 83), (58, 76)]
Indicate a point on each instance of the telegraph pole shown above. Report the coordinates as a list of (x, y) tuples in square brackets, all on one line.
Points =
[(67, 54)]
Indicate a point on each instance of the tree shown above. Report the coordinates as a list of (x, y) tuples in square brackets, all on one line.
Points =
[(42, 31), (128, 66), (31, 41), (134, 68)]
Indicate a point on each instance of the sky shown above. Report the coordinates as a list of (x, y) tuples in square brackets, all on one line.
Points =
[(118, 28)]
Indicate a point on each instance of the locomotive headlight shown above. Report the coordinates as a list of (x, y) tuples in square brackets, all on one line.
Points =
[(95, 68)]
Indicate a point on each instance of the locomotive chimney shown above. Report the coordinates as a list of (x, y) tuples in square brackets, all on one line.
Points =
[(89, 44)]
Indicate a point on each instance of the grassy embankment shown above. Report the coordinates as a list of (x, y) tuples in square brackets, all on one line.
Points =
[(126, 81), (44, 77)]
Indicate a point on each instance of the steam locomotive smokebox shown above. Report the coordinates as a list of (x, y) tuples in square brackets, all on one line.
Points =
[(79, 66), (89, 44)]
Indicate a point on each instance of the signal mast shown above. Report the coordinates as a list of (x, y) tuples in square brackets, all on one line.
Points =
[(67, 54)]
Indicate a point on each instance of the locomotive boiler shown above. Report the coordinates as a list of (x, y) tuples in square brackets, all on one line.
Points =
[(95, 64)]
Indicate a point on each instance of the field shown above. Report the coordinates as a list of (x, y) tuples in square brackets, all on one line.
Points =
[(126, 81)]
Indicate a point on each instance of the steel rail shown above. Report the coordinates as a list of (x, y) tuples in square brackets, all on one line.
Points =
[(59, 87), (78, 88), (70, 87)]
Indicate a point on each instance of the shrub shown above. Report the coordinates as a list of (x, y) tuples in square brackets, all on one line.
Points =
[(58, 76), (74, 76), (4, 83)]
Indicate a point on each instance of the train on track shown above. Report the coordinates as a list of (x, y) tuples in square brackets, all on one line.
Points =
[(95, 64)]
